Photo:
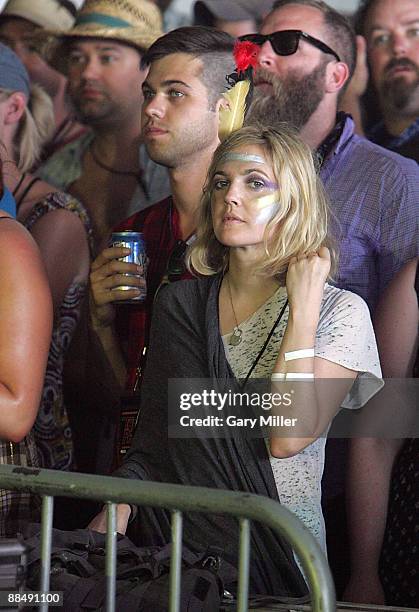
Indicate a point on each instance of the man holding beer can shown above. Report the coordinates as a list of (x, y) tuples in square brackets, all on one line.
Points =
[(134, 242), (183, 93)]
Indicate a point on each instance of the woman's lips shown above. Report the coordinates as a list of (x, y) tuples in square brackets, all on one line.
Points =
[(232, 219)]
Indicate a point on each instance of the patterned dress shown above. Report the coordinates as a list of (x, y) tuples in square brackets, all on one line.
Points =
[(399, 563), (52, 430)]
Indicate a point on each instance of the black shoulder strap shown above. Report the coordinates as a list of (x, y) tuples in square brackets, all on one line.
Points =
[(19, 183), (27, 189)]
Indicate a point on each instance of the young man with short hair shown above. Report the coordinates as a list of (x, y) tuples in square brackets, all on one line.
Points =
[(183, 93)]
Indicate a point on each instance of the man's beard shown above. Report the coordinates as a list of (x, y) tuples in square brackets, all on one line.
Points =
[(195, 137), (93, 114), (96, 111), (396, 94), (293, 100)]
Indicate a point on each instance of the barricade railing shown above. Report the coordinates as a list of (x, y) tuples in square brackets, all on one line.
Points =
[(178, 499)]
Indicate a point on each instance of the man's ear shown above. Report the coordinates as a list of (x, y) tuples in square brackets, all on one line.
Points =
[(15, 107), (337, 73)]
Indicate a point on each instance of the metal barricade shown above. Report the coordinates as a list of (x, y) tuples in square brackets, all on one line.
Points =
[(177, 498)]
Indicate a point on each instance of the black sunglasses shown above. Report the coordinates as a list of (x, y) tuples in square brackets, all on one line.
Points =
[(176, 263), (285, 42)]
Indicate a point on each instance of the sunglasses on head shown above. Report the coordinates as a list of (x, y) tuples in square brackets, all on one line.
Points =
[(285, 42)]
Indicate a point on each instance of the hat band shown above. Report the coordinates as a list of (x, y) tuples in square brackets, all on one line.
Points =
[(105, 20)]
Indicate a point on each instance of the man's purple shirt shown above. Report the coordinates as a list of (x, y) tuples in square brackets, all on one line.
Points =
[(374, 195)]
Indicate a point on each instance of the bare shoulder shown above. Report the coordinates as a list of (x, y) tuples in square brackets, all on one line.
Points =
[(17, 247), (12, 233)]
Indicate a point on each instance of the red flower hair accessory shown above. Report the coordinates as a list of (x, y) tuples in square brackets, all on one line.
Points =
[(240, 93)]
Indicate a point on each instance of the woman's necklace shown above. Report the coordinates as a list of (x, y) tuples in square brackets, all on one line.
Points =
[(236, 336)]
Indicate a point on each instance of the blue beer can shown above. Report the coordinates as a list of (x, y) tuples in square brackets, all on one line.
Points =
[(135, 242)]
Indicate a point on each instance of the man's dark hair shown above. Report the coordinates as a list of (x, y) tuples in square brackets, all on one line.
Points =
[(361, 15), (341, 35), (213, 47)]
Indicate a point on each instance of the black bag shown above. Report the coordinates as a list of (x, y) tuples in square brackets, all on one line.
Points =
[(142, 579)]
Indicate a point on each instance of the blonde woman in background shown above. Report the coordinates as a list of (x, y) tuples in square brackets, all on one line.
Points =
[(25, 333), (58, 223)]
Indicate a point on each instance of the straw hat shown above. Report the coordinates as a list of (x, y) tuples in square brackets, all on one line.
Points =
[(137, 23)]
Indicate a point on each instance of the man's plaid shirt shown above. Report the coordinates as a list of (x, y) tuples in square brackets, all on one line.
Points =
[(159, 225)]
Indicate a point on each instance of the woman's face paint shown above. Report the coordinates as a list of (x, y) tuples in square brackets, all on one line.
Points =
[(267, 206), (245, 196), (244, 157)]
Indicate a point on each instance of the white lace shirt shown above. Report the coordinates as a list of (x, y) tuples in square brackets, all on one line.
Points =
[(344, 336)]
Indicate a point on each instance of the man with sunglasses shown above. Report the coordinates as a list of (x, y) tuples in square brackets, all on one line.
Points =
[(182, 97), (306, 60)]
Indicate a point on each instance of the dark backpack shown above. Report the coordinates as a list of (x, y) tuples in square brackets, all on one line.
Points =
[(142, 578)]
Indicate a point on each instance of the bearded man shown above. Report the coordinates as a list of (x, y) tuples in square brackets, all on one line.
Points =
[(392, 43), (306, 60)]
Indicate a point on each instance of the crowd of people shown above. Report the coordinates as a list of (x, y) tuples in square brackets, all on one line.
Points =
[(286, 250)]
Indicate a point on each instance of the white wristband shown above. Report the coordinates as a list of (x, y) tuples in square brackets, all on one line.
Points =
[(301, 354), (299, 376), (278, 376)]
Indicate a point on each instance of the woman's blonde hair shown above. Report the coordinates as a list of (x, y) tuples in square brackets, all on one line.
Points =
[(300, 224), (36, 127)]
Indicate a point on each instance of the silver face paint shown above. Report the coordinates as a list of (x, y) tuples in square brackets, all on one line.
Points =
[(267, 206), (244, 157)]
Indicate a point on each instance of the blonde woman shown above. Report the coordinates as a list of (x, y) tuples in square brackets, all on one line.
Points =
[(25, 332), (60, 227), (262, 308)]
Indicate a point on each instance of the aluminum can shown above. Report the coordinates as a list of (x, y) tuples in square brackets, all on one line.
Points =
[(135, 242)]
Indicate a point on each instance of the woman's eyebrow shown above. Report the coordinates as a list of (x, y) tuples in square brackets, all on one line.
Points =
[(258, 170), (270, 183)]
